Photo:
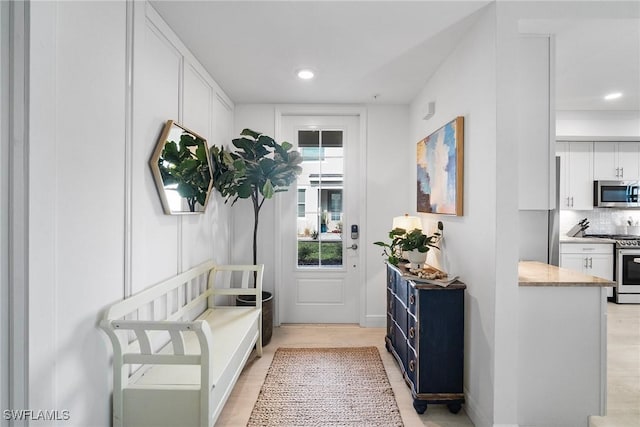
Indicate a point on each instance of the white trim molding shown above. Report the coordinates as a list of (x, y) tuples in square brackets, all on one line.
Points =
[(5, 107), (18, 189), (375, 321)]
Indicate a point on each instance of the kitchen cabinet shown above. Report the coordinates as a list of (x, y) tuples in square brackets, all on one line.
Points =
[(594, 259), (616, 160), (576, 175), (425, 334)]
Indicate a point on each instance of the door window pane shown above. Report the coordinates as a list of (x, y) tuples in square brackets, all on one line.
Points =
[(301, 204), (320, 216)]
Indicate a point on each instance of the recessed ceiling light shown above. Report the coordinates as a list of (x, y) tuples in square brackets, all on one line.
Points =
[(614, 95), (305, 74)]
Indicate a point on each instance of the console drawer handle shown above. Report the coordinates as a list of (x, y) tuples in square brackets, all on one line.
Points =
[(412, 365), (412, 299), (412, 332)]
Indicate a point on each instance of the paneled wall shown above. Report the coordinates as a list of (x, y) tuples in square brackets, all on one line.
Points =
[(104, 79), (169, 83)]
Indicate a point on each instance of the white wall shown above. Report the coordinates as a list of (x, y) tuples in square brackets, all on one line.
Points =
[(387, 157), (75, 256), (598, 124), (97, 229), (260, 118), (465, 85)]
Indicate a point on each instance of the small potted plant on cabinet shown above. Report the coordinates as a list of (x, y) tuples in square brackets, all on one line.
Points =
[(412, 246), (257, 169)]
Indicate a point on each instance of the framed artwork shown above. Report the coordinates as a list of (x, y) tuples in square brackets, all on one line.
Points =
[(440, 170)]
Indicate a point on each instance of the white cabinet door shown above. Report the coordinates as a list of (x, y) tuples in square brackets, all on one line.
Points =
[(575, 262), (605, 164), (601, 265), (628, 160), (576, 175), (616, 161), (581, 176)]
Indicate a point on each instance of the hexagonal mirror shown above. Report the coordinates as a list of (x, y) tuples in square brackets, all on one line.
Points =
[(182, 171)]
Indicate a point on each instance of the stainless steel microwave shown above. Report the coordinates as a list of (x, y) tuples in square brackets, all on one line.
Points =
[(616, 194)]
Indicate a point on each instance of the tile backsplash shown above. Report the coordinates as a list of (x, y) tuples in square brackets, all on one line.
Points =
[(601, 221)]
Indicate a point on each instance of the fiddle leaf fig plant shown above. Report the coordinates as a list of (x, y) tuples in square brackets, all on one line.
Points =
[(258, 168), (401, 241)]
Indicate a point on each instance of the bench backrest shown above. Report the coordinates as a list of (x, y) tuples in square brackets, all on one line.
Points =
[(180, 298), (180, 295)]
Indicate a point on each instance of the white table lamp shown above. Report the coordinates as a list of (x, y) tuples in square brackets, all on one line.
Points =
[(407, 222)]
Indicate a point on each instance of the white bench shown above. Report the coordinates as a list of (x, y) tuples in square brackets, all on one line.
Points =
[(180, 345)]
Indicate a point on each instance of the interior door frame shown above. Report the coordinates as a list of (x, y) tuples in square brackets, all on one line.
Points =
[(327, 110)]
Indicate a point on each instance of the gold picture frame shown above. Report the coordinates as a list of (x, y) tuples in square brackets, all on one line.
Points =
[(440, 170)]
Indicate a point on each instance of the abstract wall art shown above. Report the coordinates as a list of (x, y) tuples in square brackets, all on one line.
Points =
[(440, 170)]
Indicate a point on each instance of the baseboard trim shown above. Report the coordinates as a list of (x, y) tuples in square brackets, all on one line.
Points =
[(475, 414), (375, 321)]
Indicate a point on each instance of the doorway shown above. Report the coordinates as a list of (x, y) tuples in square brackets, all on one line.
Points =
[(320, 265)]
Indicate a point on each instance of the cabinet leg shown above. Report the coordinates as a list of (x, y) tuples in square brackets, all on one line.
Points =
[(420, 406), (454, 408)]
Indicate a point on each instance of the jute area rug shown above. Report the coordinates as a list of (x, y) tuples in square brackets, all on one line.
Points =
[(326, 387)]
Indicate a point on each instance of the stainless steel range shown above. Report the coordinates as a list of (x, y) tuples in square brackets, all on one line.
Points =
[(626, 270)]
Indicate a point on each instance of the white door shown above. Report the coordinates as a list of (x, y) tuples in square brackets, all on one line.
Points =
[(320, 258)]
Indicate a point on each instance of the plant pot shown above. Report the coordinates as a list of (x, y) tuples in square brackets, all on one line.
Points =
[(267, 312), (415, 257)]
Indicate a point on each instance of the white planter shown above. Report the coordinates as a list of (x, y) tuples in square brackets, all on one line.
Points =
[(415, 257)]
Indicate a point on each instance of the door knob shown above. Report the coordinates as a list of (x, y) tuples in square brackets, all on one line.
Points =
[(353, 246)]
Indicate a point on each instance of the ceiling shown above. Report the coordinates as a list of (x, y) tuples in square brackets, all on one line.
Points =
[(358, 50), (594, 57), (383, 51)]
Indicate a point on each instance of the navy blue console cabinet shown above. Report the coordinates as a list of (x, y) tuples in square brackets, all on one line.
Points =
[(425, 333)]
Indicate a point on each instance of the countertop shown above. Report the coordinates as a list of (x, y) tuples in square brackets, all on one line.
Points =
[(534, 273), (567, 239)]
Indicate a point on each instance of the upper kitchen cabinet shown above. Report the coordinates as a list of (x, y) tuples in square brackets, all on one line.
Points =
[(536, 124), (616, 161), (576, 175)]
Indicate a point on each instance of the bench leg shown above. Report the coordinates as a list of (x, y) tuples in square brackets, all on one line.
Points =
[(259, 343)]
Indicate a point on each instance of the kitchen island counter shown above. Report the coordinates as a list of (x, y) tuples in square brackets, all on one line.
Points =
[(562, 348), (534, 273)]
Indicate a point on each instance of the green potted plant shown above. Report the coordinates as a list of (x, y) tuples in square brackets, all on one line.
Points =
[(412, 246), (257, 169)]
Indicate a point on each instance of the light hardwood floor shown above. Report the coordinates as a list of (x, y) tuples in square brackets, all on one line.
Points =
[(623, 371), (623, 367)]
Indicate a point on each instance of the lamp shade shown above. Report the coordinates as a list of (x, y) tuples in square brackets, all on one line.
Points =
[(407, 222)]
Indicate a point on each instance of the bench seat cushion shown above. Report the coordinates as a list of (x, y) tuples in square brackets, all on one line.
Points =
[(230, 328)]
